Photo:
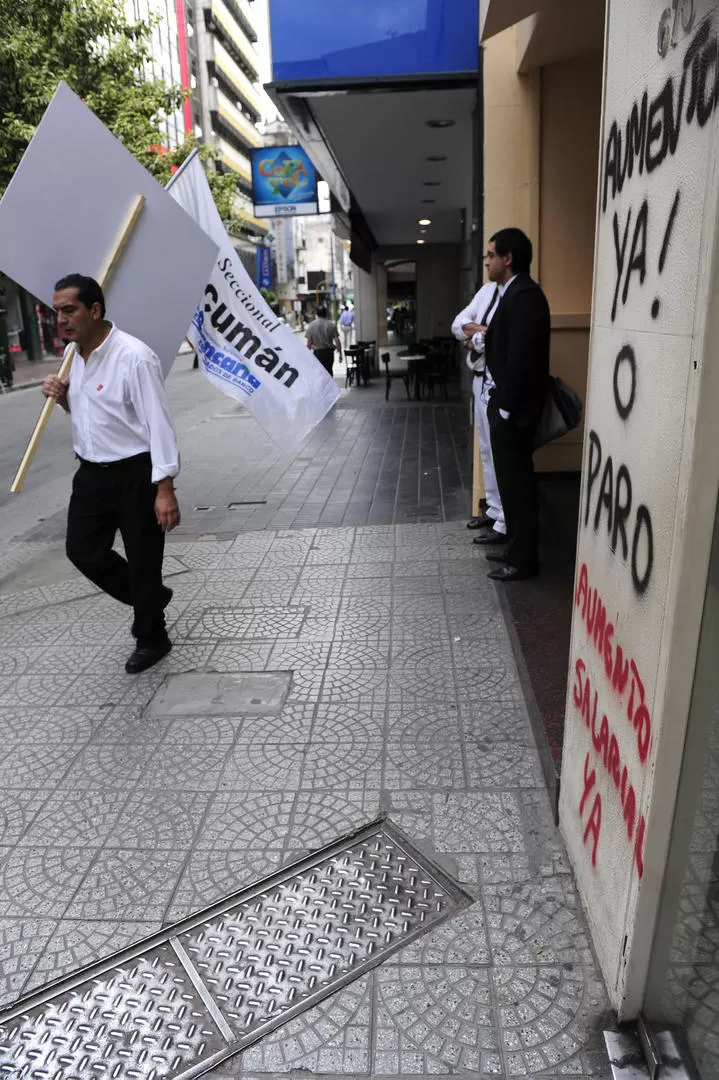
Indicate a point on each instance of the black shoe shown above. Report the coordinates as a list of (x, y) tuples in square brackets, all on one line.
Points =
[(491, 538), (142, 659), (166, 597), (481, 522), (512, 573), (496, 556)]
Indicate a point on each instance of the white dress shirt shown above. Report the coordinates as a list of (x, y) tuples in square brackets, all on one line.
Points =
[(475, 311), (119, 408), (503, 288)]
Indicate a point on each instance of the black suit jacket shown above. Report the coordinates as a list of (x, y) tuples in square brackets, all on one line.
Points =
[(517, 351)]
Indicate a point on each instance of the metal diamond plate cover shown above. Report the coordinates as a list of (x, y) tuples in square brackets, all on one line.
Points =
[(141, 1019), (177, 1004)]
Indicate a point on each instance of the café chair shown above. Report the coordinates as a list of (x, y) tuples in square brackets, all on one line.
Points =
[(436, 373), (431, 371), (402, 373)]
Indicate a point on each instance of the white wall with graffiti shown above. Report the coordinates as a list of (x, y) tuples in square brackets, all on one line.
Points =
[(657, 209)]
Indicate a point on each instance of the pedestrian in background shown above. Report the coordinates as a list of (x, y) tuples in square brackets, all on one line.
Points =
[(470, 327), (124, 440), (517, 354), (347, 321), (323, 339)]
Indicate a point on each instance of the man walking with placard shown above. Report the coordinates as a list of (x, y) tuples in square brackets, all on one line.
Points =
[(124, 440)]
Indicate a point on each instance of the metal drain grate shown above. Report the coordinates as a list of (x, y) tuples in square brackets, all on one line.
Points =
[(180, 1002)]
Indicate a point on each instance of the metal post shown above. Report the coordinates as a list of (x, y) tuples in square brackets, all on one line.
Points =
[(317, 290), (204, 47), (334, 295)]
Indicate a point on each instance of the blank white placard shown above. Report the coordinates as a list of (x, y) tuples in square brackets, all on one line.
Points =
[(62, 212)]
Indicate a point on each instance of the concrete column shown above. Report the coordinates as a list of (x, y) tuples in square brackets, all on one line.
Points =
[(512, 134), (380, 275), (650, 476), (365, 291), (205, 54)]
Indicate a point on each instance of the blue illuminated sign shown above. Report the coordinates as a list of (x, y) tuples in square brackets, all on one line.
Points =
[(284, 182), (264, 268), (362, 39)]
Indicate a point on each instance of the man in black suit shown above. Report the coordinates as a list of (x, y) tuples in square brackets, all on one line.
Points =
[(517, 355)]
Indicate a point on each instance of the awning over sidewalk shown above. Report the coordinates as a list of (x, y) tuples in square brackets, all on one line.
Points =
[(405, 153), (384, 103)]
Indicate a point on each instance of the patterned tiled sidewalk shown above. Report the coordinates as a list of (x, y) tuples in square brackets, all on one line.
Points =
[(404, 698)]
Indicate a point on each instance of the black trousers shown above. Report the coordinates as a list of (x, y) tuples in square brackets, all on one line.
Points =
[(512, 451), (326, 357), (105, 499)]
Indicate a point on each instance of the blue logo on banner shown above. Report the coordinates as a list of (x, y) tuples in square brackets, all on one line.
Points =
[(264, 268), (221, 364)]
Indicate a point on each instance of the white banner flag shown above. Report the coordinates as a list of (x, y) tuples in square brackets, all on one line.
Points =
[(243, 348)]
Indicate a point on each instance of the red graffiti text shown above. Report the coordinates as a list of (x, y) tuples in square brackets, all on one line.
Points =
[(621, 672), (606, 745)]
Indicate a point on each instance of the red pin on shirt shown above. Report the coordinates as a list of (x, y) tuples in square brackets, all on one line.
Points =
[(100, 385)]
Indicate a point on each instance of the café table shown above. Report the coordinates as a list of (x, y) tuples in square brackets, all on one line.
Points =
[(359, 354), (413, 359)]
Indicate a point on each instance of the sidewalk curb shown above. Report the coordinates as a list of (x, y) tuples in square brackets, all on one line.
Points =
[(39, 382), (551, 776), (24, 385)]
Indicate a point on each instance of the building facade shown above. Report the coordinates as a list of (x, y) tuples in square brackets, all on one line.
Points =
[(226, 101), (613, 153), (169, 57), (650, 481)]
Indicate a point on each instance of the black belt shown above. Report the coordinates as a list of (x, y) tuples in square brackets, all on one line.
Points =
[(137, 459)]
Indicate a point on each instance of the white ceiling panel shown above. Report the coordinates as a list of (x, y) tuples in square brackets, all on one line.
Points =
[(382, 143)]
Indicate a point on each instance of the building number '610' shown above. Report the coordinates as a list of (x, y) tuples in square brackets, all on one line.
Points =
[(680, 14)]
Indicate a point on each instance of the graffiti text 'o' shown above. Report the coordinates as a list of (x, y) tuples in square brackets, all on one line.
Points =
[(642, 549), (625, 381)]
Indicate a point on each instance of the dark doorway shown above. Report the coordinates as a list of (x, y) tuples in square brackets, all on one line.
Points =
[(401, 301)]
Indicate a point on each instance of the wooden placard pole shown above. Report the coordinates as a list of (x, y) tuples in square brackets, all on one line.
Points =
[(106, 273)]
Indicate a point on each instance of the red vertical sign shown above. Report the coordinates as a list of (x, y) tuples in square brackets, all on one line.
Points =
[(184, 65)]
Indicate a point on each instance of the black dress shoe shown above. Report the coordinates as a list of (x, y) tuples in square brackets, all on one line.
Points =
[(491, 538), (512, 573), (496, 556), (142, 659), (481, 522), (166, 597)]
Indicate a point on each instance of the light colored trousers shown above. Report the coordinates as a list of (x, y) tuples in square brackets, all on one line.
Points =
[(481, 390)]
